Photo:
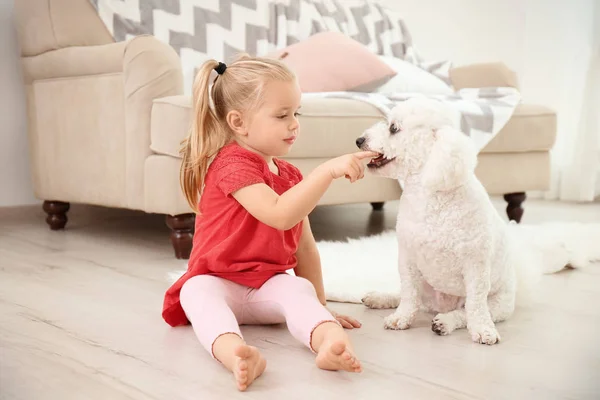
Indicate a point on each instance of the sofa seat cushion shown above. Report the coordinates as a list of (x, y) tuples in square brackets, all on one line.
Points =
[(330, 126), (531, 128)]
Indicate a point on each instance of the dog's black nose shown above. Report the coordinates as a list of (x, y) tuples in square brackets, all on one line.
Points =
[(360, 141)]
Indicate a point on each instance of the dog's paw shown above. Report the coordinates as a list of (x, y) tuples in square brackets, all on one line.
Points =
[(442, 324), (485, 335), (380, 300), (396, 322)]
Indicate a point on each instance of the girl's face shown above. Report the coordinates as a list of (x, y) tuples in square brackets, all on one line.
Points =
[(273, 128)]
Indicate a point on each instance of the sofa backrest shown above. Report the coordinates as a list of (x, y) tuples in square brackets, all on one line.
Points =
[(201, 30), (45, 25)]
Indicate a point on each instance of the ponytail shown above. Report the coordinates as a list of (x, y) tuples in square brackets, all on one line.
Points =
[(206, 137)]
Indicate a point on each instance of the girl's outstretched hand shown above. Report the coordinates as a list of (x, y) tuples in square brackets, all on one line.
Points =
[(349, 165), (346, 321)]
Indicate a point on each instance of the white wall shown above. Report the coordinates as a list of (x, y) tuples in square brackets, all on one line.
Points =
[(466, 31), (15, 181), (548, 43)]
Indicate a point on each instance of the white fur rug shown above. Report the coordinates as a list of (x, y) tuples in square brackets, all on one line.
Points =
[(357, 266)]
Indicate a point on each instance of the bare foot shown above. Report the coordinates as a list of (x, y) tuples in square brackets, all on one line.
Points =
[(249, 365), (335, 356)]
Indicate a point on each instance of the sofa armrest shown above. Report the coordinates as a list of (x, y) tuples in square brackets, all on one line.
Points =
[(73, 62), (143, 68), (143, 60), (151, 70), (483, 75)]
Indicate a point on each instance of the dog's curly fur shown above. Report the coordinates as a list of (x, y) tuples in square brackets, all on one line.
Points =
[(455, 256)]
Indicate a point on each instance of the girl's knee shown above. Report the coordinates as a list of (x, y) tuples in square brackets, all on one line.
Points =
[(299, 285), (200, 285)]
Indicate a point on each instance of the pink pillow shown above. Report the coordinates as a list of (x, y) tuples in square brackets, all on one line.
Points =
[(331, 61)]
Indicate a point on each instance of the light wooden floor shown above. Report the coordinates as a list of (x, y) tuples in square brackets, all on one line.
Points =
[(80, 319)]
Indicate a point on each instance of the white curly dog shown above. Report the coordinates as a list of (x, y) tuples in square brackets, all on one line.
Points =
[(456, 256)]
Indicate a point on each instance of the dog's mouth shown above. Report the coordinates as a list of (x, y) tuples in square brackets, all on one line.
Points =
[(380, 161)]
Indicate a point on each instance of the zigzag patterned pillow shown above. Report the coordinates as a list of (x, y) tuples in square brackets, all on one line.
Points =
[(220, 29)]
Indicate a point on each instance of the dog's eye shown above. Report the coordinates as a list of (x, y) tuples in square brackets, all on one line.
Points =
[(394, 128)]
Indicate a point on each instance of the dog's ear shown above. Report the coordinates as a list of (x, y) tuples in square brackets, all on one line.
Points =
[(453, 157)]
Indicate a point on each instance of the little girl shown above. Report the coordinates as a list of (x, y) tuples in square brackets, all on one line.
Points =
[(252, 223)]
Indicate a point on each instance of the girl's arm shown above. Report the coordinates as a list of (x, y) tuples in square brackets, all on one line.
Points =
[(285, 211), (309, 261), (309, 267)]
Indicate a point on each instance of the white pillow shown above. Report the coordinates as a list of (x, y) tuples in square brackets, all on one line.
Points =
[(411, 79)]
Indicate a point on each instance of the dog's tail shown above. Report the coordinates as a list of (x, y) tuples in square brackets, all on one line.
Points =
[(548, 248)]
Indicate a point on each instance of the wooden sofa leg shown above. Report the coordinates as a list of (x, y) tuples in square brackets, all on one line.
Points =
[(377, 206), (182, 233), (57, 214), (514, 209)]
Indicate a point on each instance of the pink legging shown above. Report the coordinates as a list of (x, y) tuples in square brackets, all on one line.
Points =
[(216, 306)]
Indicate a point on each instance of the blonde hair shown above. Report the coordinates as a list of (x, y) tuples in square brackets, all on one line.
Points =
[(240, 88)]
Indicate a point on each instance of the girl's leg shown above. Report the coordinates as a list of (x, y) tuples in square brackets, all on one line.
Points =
[(295, 299), (211, 305)]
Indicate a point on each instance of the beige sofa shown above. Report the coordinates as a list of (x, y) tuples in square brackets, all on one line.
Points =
[(105, 121)]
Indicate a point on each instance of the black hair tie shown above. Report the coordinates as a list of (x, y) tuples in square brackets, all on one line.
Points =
[(221, 68)]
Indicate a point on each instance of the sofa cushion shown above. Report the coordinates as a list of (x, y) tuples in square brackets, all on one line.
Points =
[(531, 128), (411, 78), (329, 127), (334, 62), (332, 123)]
